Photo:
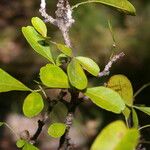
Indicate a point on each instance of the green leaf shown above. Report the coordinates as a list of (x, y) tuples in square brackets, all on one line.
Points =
[(33, 104), (89, 65), (39, 25), (121, 5), (53, 76), (146, 110), (116, 136), (56, 130), (106, 98), (135, 119), (8, 83), (123, 86), (34, 38), (60, 59), (126, 112), (64, 49), (1, 123), (110, 136), (129, 141), (20, 143), (29, 146), (76, 75)]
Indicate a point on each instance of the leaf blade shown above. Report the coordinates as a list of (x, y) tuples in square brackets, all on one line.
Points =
[(56, 130), (123, 86), (106, 99), (76, 75), (39, 25), (53, 76), (89, 65), (33, 105), (9, 83), (33, 39)]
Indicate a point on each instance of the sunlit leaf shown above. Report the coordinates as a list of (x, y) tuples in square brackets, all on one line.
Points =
[(89, 65), (123, 86), (135, 119), (126, 112), (53, 76), (76, 75), (106, 98), (33, 105), (129, 141), (64, 49), (116, 136), (56, 130), (29, 146), (20, 143), (62, 58), (39, 25), (34, 39), (9, 83), (146, 110), (121, 5)]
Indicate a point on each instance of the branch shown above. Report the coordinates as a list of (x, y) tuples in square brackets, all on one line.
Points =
[(47, 17), (106, 70)]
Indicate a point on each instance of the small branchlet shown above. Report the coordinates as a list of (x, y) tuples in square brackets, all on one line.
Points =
[(106, 70)]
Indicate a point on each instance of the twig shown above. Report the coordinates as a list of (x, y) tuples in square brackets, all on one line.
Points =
[(47, 17), (106, 70), (141, 89), (65, 143)]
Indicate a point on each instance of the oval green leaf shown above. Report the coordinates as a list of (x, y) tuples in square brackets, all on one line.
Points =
[(34, 38), (76, 75), (116, 136), (123, 86), (29, 146), (64, 49), (121, 5), (146, 110), (135, 119), (89, 65), (53, 76), (129, 141), (56, 130), (9, 83), (106, 99), (39, 25), (33, 105), (20, 143), (110, 136)]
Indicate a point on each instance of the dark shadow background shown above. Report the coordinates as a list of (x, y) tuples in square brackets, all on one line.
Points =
[(90, 37)]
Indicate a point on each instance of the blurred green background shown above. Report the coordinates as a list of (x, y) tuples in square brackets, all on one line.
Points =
[(91, 37)]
